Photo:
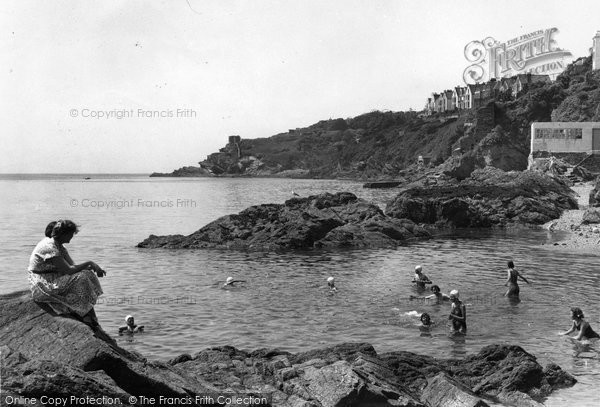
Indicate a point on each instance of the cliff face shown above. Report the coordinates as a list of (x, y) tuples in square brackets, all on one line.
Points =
[(384, 144)]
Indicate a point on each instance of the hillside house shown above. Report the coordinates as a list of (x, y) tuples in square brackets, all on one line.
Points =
[(438, 103), (451, 101), (523, 80), (428, 107)]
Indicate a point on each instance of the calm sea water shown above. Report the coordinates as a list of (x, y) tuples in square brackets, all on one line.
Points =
[(177, 294)]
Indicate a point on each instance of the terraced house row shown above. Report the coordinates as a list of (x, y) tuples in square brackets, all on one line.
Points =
[(474, 96)]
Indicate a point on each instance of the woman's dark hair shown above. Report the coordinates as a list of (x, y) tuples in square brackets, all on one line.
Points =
[(63, 227), (577, 313), (510, 264), (425, 316), (435, 288), (49, 228)]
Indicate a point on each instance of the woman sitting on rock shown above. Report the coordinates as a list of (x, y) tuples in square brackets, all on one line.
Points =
[(56, 280), (579, 324)]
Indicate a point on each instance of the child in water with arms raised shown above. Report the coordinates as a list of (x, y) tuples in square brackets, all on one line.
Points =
[(131, 327)]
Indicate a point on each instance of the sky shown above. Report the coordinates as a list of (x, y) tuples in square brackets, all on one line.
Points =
[(142, 86)]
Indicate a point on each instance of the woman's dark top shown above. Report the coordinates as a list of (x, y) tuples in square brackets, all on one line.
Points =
[(588, 333), (513, 276)]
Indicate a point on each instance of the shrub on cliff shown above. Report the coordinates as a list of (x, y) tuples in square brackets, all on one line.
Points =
[(337, 124), (583, 104)]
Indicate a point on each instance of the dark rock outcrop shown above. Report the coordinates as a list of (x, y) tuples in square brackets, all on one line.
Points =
[(591, 215), (494, 149), (325, 220), (490, 197), (188, 171), (382, 184), (44, 354), (594, 198), (47, 355)]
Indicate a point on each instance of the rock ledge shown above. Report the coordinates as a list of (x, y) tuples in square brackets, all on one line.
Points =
[(46, 355), (326, 220)]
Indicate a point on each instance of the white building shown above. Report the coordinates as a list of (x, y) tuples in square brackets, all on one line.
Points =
[(596, 51), (565, 137)]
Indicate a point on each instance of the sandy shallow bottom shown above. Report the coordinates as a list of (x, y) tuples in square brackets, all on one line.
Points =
[(585, 238)]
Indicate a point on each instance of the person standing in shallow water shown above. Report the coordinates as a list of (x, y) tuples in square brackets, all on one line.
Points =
[(331, 284), (458, 314), (420, 279), (511, 281), (579, 324), (68, 288)]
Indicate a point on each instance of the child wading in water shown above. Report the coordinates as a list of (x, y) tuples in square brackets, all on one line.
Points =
[(511, 281), (420, 279), (437, 294), (331, 284), (458, 314), (579, 324), (131, 327), (426, 324)]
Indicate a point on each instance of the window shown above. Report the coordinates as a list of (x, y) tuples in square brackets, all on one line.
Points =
[(559, 134)]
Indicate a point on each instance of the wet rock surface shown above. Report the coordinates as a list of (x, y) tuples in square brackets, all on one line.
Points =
[(47, 355), (490, 197), (325, 220)]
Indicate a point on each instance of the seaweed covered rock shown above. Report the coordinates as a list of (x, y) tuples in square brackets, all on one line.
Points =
[(325, 220), (490, 197)]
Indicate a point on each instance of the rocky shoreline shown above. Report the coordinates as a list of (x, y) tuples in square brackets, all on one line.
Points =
[(489, 198), (582, 236), (43, 355)]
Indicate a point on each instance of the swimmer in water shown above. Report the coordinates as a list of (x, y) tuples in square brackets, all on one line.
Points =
[(426, 319), (331, 284), (581, 325), (439, 296), (420, 279), (458, 314), (426, 324), (131, 327), (230, 282), (511, 281)]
